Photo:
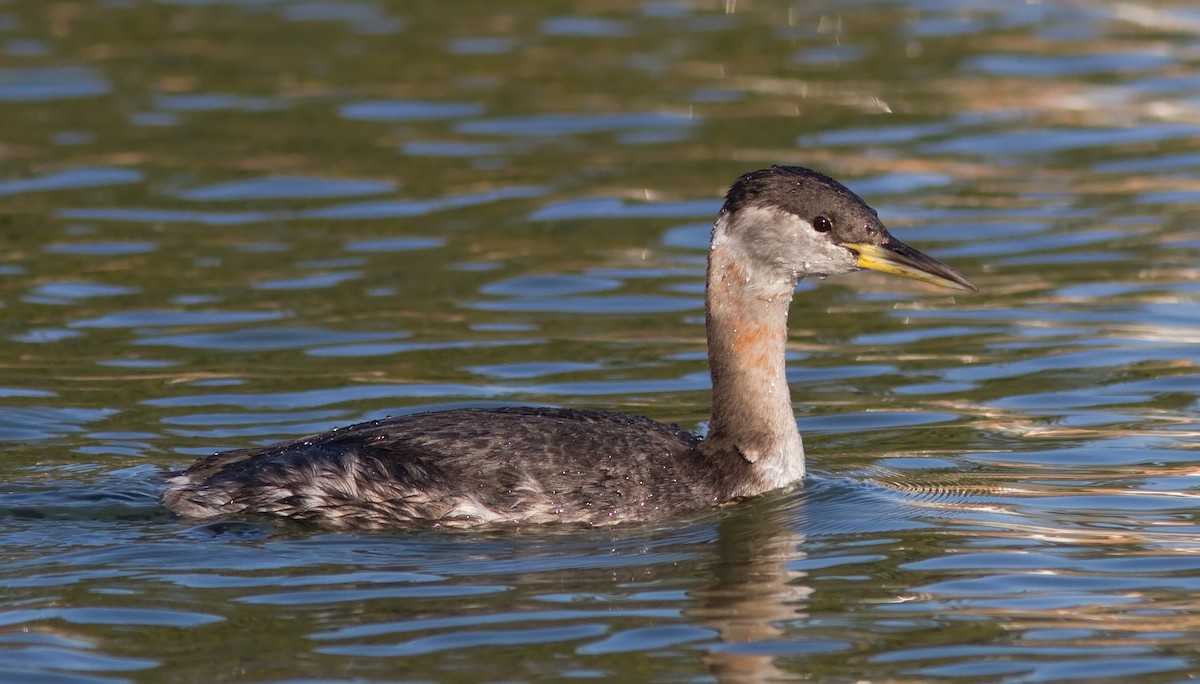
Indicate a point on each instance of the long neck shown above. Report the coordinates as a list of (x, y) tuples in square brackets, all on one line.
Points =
[(752, 406)]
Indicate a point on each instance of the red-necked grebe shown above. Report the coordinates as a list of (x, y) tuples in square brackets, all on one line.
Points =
[(468, 467)]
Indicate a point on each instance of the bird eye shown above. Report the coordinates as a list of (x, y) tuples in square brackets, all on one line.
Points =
[(822, 224)]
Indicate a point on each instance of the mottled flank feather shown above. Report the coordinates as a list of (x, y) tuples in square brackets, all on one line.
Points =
[(460, 468)]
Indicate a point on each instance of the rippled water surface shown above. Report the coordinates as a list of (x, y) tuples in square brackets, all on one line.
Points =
[(227, 223)]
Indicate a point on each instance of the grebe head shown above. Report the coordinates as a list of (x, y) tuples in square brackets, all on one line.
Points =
[(791, 223)]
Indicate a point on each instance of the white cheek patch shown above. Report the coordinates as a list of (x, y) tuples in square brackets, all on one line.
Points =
[(827, 258), (780, 240)]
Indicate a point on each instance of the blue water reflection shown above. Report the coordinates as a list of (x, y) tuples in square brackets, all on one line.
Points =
[(44, 84), (227, 223)]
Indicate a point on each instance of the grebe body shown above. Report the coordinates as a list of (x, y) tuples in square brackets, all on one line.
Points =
[(470, 467)]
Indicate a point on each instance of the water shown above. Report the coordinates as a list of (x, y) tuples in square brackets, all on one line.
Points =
[(226, 223)]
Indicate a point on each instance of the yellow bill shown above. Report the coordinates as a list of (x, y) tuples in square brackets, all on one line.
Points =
[(897, 258)]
